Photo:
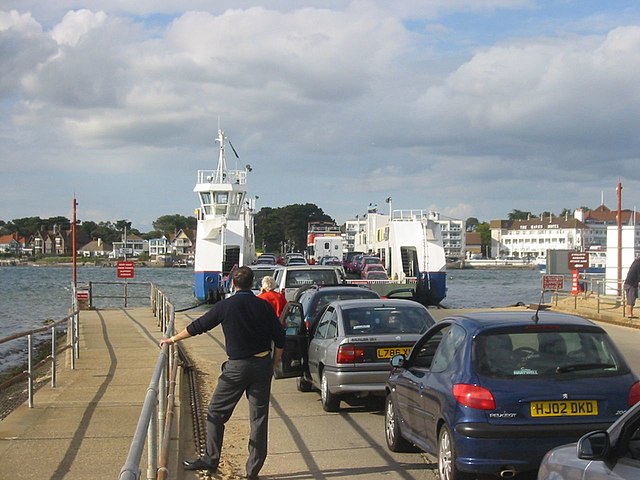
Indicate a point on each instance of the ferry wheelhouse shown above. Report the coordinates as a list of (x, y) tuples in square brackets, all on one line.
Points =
[(225, 235)]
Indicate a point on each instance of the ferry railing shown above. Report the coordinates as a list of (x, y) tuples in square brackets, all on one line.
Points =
[(217, 176), (130, 291), (156, 419), (33, 365)]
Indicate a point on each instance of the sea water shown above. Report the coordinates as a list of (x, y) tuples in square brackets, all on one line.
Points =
[(30, 295)]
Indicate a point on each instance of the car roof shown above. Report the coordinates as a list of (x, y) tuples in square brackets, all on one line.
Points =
[(477, 322), (261, 266), (307, 267), (376, 302), (329, 289)]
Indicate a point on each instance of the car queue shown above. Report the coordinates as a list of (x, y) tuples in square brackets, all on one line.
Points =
[(492, 394)]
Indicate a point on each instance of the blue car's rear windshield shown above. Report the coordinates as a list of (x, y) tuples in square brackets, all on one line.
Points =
[(546, 354)]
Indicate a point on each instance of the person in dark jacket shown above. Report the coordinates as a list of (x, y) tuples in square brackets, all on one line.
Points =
[(250, 328), (631, 286)]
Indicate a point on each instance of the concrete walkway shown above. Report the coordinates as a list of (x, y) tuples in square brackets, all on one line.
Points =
[(82, 429)]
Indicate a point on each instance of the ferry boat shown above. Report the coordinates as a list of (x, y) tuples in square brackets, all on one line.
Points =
[(225, 235), (409, 244)]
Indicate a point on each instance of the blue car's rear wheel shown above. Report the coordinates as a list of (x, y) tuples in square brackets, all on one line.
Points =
[(447, 469)]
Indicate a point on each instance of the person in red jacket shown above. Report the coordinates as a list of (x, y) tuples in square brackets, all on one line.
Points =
[(268, 293)]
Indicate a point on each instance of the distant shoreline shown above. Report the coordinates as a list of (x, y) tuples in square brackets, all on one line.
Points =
[(112, 264)]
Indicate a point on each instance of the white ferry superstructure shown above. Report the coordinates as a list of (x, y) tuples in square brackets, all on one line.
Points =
[(409, 243), (225, 234)]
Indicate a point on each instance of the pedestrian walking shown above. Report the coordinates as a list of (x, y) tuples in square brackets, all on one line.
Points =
[(250, 328), (631, 286), (268, 293)]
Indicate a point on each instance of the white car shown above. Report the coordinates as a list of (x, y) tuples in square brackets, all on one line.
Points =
[(612, 454), (290, 278)]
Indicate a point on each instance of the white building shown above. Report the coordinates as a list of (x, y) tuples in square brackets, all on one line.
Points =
[(453, 235), (159, 246), (352, 229), (630, 243), (532, 238)]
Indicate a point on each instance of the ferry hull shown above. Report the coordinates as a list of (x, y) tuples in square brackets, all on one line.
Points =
[(431, 289), (208, 286)]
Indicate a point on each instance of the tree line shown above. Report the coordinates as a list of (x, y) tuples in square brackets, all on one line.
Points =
[(276, 229), (107, 231)]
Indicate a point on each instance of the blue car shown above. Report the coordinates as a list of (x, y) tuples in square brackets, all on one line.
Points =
[(490, 393)]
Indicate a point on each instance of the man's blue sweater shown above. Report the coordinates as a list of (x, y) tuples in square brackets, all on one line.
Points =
[(248, 322)]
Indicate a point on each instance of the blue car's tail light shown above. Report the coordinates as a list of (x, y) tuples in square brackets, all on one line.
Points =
[(634, 394), (473, 396)]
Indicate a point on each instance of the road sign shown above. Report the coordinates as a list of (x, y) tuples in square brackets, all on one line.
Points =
[(552, 282), (578, 260), (125, 269)]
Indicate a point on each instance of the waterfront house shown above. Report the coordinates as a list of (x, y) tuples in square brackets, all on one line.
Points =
[(182, 242), (96, 248), (473, 242), (158, 247), (56, 241), (133, 247), (600, 220), (13, 244)]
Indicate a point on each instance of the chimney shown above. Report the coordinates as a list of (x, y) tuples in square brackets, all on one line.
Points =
[(99, 242)]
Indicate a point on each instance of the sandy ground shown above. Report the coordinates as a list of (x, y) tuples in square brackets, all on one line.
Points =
[(234, 450)]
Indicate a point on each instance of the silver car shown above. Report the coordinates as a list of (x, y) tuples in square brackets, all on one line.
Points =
[(348, 349), (612, 454)]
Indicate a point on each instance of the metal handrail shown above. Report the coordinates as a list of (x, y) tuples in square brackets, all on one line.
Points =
[(597, 287), (125, 294), (156, 419), (73, 343)]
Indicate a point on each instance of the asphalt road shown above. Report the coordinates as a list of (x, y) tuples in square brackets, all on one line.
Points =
[(308, 443)]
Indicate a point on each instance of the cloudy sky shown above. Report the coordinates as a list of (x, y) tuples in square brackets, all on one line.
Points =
[(472, 108)]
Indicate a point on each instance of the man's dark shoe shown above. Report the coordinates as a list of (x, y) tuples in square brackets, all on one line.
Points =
[(198, 464)]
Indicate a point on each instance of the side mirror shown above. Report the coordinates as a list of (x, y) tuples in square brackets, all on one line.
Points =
[(398, 361), (594, 445)]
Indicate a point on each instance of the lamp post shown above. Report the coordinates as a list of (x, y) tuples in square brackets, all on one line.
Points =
[(74, 244)]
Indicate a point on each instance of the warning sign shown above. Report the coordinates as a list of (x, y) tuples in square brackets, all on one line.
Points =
[(125, 269), (552, 282)]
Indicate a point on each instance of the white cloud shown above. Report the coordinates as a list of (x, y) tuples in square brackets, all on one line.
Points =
[(345, 103), (75, 25)]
